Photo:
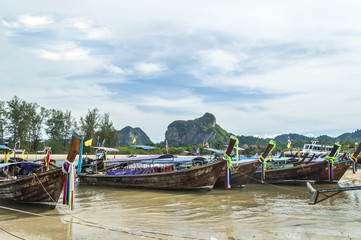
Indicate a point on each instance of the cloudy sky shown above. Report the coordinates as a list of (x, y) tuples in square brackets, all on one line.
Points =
[(261, 67)]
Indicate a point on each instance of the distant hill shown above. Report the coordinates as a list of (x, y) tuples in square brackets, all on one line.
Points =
[(352, 137), (127, 135), (197, 131)]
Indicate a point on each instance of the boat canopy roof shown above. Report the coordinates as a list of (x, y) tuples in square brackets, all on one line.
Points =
[(143, 147), (142, 158), (215, 150), (22, 164), (6, 164), (19, 150), (106, 149), (4, 147), (239, 149), (172, 160)]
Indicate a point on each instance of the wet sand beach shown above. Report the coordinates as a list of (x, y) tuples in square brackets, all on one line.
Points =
[(255, 212)]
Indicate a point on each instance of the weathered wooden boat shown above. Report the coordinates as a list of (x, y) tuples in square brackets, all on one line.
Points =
[(40, 187), (293, 174), (243, 171), (240, 174), (339, 166), (198, 177), (339, 169)]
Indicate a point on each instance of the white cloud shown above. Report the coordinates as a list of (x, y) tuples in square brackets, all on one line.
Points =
[(217, 60), (92, 32), (274, 67), (35, 21), (179, 102), (115, 69), (149, 68), (67, 52), (28, 21), (10, 24)]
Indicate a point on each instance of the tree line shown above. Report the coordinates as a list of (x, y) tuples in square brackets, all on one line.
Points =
[(29, 122)]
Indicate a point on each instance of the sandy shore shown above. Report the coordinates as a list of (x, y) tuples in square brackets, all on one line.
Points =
[(354, 178)]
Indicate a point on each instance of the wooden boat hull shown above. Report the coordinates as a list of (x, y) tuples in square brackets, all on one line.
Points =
[(241, 174), (200, 177), (294, 174), (339, 169), (45, 187)]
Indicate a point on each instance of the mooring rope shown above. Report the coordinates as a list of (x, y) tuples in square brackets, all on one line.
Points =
[(52, 199), (89, 223), (12, 234)]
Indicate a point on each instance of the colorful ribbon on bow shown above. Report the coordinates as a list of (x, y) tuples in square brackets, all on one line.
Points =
[(354, 164), (69, 184), (330, 167), (236, 145), (331, 160), (263, 170), (262, 160), (47, 159), (6, 160), (227, 175), (80, 151)]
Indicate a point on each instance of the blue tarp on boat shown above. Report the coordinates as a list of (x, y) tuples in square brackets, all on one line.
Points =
[(106, 149), (142, 158), (215, 150), (143, 147), (4, 147), (6, 164)]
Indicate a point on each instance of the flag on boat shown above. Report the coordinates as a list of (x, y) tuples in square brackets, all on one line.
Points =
[(88, 143), (134, 140), (289, 142), (207, 145), (42, 141), (166, 145), (197, 152), (18, 141), (103, 142)]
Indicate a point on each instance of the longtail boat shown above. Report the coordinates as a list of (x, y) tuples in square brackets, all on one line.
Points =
[(154, 176), (293, 174), (38, 186), (200, 177), (339, 167), (243, 171)]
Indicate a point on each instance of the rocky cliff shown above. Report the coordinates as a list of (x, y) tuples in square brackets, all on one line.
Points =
[(197, 131), (128, 133)]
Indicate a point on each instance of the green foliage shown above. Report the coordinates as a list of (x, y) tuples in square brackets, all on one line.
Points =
[(2, 121), (107, 131), (90, 123), (58, 126)]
